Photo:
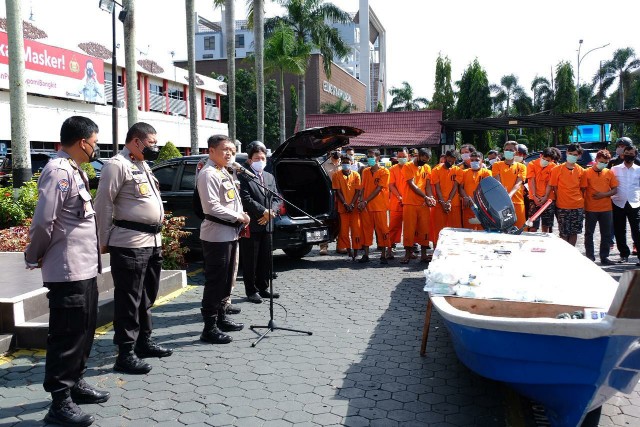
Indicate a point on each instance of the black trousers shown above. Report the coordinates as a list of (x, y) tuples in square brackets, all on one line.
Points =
[(605, 219), (136, 279), (219, 273), (72, 324), (256, 262), (620, 218)]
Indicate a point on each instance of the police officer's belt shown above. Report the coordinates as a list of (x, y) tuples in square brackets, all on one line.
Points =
[(222, 221), (138, 226)]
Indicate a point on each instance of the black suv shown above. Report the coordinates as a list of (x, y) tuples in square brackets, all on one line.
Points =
[(300, 179)]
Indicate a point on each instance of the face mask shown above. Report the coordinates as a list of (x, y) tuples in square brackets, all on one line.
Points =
[(447, 164), (492, 161), (151, 153), (371, 161), (335, 156), (518, 159), (544, 163), (629, 158), (465, 156), (90, 72), (475, 165), (571, 158), (354, 167), (508, 155), (602, 165), (402, 160), (619, 151), (258, 166), (95, 153), (421, 162), (346, 167)]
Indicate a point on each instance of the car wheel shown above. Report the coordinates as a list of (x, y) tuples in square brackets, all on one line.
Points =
[(298, 252)]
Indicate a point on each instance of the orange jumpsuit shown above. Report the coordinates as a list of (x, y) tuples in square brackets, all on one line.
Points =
[(395, 205), (446, 179), (415, 212), (349, 221), (470, 181), (508, 175), (374, 216)]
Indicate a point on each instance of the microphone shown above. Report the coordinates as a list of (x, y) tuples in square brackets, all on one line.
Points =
[(241, 169)]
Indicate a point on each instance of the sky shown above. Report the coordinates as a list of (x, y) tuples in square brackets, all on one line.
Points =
[(526, 38)]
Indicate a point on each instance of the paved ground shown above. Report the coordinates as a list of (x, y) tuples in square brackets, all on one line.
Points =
[(360, 367)]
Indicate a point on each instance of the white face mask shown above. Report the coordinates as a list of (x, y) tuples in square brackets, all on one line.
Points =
[(492, 161), (544, 163), (518, 159), (258, 166), (465, 156)]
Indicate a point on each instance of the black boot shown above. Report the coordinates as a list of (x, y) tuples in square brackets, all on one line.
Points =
[(211, 333), (227, 325), (84, 393), (146, 347), (64, 412), (128, 363)]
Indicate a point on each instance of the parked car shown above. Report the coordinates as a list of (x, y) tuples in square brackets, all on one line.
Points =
[(587, 159), (39, 158), (300, 179)]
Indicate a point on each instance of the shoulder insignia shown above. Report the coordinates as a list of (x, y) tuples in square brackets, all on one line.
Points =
[(63, 185)]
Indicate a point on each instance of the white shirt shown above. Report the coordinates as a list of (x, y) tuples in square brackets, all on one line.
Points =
[(628, 185)]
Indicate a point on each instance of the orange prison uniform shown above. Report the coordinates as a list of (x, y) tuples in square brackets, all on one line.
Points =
[(374, 216), (567, 182), (447, 179), (395, 205), (508, 175), (415, 212), (540, 175), (349, 221), (598, 182), (470, 181)]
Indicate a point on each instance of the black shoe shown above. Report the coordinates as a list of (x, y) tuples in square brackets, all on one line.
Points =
[(384, 261), (232, 309), (84, 393), (215, 336), (255, 298), (267, 294), (64, 411), (129, 363), (364, 259), (149, 348), (227, 325), (606, 261), (623, 259)]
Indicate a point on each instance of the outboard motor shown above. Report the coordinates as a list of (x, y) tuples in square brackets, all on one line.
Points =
[(494, 208)]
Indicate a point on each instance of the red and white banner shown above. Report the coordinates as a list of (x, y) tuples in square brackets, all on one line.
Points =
[(54, 71)]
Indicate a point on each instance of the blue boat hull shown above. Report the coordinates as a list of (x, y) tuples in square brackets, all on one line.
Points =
[(570, 376)]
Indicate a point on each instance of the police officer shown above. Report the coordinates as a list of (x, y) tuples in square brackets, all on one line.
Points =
[(130, 216), (219, 232), (64, 243)]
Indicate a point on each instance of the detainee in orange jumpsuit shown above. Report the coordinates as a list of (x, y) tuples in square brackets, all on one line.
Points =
[(348, 186), (448, 212), (470, 180), (374, 205), (416, 202), (511, 175), (397, 188)]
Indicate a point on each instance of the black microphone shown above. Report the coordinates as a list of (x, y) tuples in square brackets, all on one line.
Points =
[(241, 169)]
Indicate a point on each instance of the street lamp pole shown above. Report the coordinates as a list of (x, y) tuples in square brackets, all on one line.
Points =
[(580, 61)]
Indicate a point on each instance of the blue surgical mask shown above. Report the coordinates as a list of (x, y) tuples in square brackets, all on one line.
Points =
[(475, 165), (346, 167), (602, 165), (571, 158), (508, 155), (402, 160), (371, 161), (544, 163)]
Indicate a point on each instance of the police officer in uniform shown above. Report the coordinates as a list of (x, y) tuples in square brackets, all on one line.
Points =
[(130, 215), (224, 218), (64, 243)]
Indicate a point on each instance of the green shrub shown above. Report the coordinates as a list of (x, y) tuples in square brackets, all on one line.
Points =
[(28, 198), (172, 251), (11, 213), (168, 151), (89, 170)]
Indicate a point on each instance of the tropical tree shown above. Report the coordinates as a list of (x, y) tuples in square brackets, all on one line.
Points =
[(403, 99), (283, 54), (256, 22), (565, 97), (191, 61), (309, 21), (443, 98), (542, 94), (474, 101), (509, 92), (338, 107), (130, 61), (230, 34)]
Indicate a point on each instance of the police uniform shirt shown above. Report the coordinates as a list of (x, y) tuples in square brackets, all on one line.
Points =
[(220, 198), (128, 191), (63, 232)]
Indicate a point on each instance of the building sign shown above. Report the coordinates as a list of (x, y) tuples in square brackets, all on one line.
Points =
[(53, 71), (333, 90)]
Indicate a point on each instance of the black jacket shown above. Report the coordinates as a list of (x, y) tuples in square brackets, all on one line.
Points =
[(255, 199)]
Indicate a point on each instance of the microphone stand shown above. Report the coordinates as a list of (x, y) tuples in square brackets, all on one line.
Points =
[(272, 326)]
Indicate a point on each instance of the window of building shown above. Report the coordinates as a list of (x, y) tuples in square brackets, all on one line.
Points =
[(209, 43), (213, 102), (239, 41), (207, 56), (176, 94), (156, 89), (108, 77)]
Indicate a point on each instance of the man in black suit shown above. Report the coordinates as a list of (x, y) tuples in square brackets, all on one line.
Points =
[(255, 250)]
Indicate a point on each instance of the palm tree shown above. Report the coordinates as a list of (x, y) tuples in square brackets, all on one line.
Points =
[(230, 34), (618, 68), (542, 94), (403, 99), (191, 60), (507, 91), (338, 107), (283, 54), (308, 19), (255, 16)]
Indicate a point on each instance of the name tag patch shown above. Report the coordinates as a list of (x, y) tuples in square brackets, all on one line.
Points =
[(63, 185)]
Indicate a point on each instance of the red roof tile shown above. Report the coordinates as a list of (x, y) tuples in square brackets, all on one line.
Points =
[(394, 129)]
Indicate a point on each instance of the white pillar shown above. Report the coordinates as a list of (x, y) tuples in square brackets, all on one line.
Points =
[(382, 69), (365, 67)]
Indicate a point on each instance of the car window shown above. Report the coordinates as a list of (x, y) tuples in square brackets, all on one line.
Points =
[(188, 180), (39, 162), (166, 175)]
